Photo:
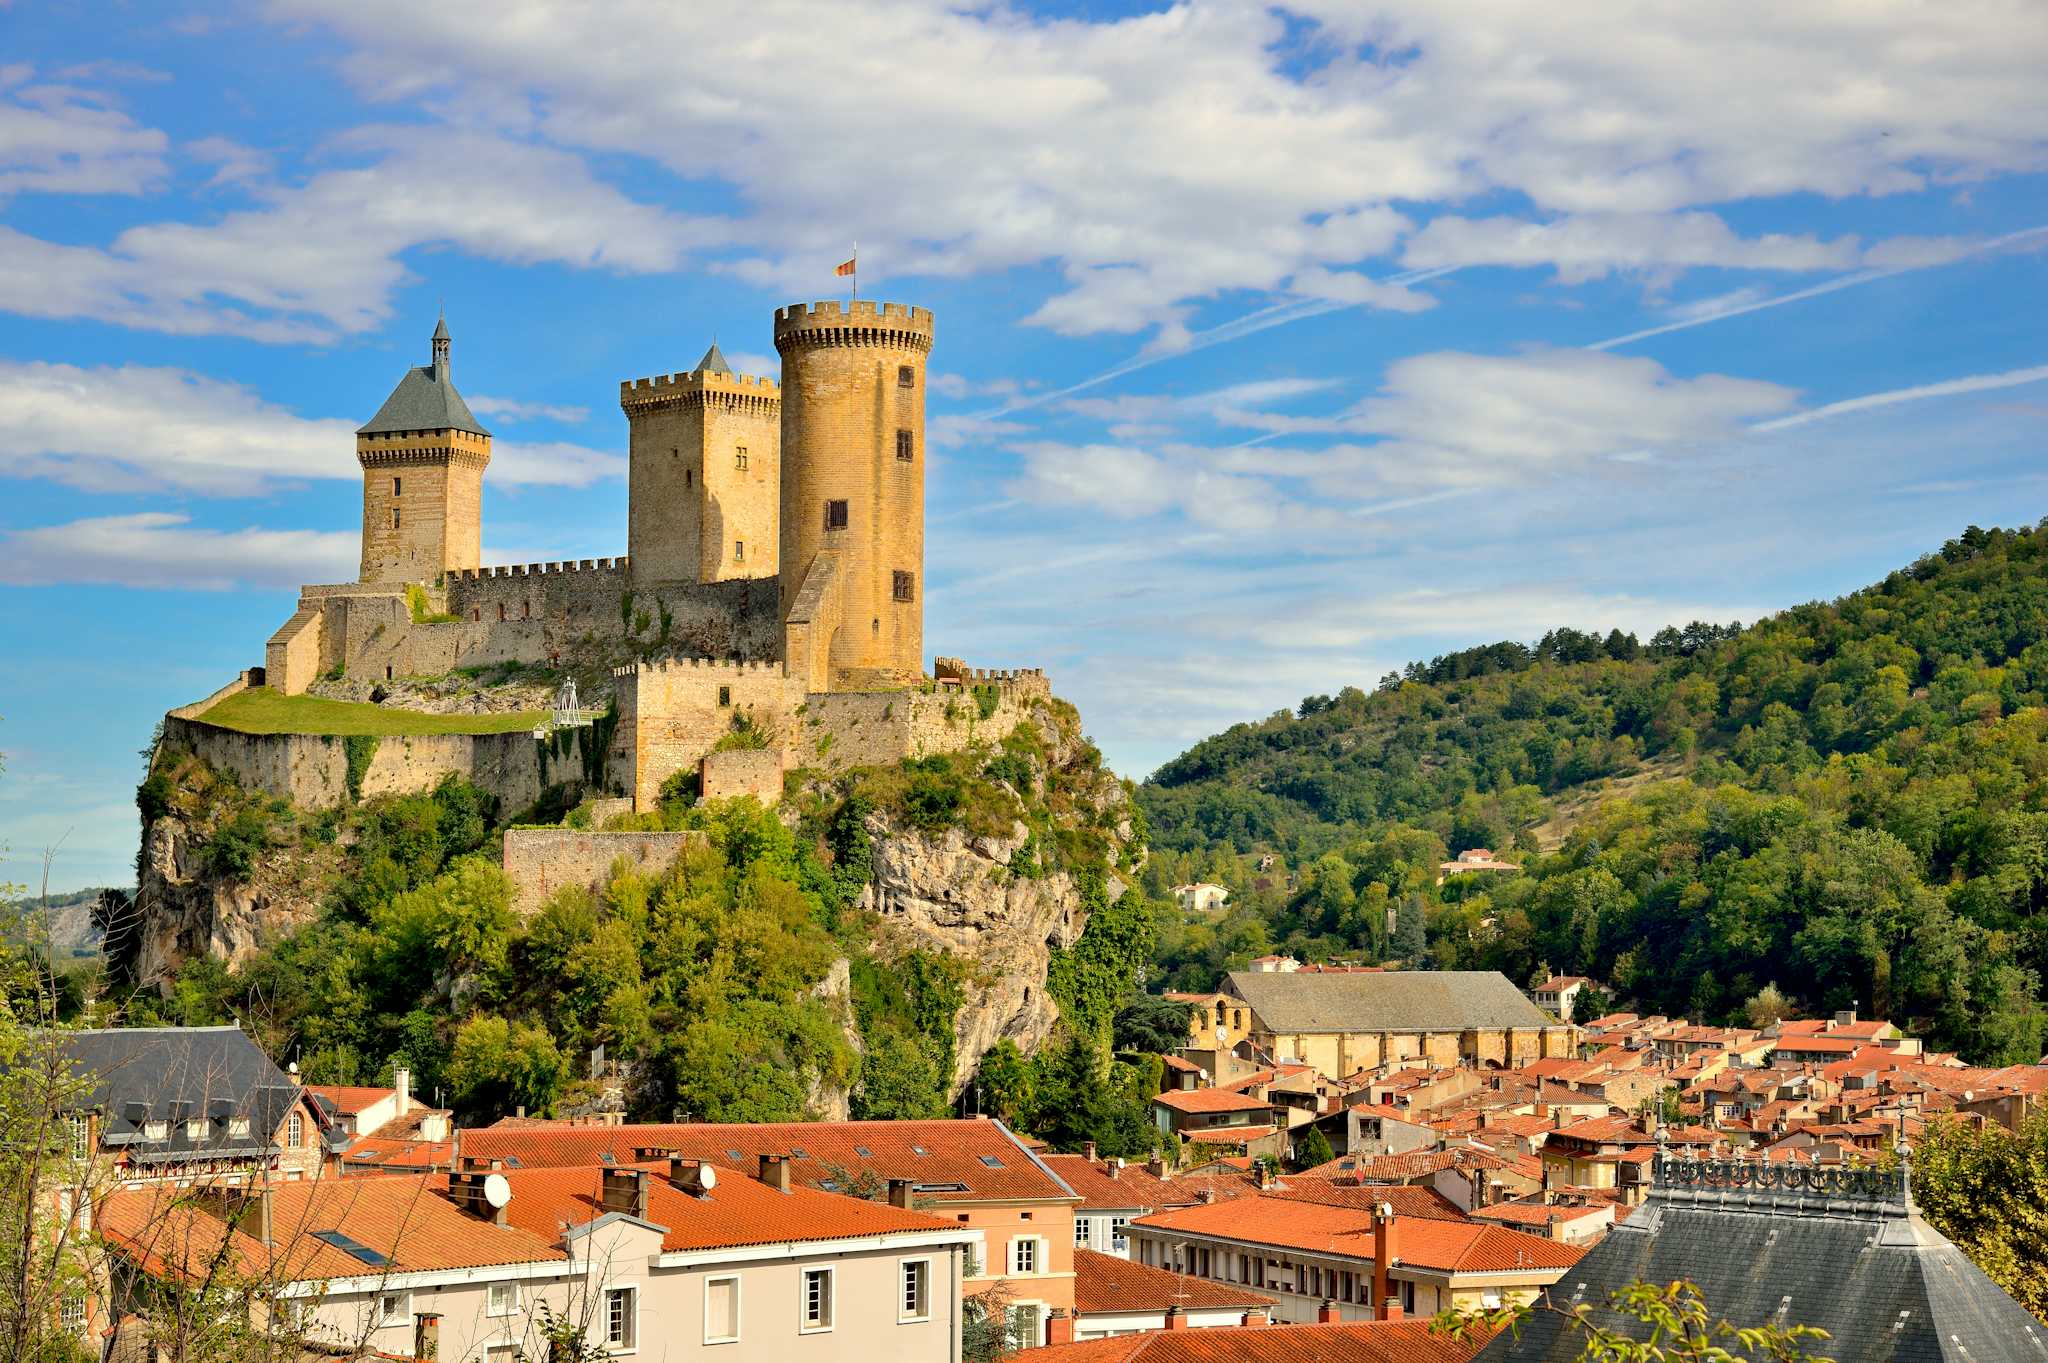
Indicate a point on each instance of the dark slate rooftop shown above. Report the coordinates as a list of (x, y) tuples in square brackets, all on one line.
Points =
[(425, 399), (1839, 1249), (1386, 1000), (176, 1075), (714, 362)]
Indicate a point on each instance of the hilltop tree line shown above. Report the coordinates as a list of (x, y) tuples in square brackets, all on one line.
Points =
[(1844, 801)]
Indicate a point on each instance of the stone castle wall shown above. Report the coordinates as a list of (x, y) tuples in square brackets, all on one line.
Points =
[(311, 770), (731, 774), (671, 715), (704, 474), (541, 861)]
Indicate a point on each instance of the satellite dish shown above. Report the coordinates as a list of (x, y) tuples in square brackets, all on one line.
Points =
[(707, 1177), (497, 1191)]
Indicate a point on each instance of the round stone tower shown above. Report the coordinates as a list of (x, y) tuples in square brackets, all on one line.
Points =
[(853, 485)]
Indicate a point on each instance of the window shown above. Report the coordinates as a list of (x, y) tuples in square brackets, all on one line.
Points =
[(916, 1303), (904, 449), (739, 551), (1024, 1327), (397, 486), (501, 610), (621, 1307), (739, 458), (502, 1353), (392, 1309), (155, 1131), (195, 1130), (906, 377), (721, 1310), (294, 1129), (1116, 1233), (817, 1299), (72, 1313), (238, 1126), (689, 477), (81, 1137), (725, 695), (503, 1300), (394, 518), (905, 586), (835, 515), (1024, 1254), (1081, 1224)]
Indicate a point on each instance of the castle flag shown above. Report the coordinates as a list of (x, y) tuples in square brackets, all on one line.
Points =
[(847, 268)]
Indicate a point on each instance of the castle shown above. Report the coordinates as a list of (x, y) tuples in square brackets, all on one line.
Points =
[(774, 566)]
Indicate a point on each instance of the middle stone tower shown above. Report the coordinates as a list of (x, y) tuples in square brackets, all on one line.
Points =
[(853, 479)]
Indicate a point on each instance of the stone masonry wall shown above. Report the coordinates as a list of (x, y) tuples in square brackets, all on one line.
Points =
[(731, 774), (311, 770), (672, 714), (540, 861)]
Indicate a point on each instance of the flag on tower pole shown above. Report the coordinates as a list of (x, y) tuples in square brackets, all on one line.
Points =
[(848, 269)]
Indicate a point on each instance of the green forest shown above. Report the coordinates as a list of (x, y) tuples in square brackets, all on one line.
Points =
[(705, 985), (1839, 806)]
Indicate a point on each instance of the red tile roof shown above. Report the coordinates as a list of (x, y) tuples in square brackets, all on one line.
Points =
[(349, 1099), (1226, 1135), (1448, 1246), (1103, 1283), (1212, 1100), (739, 1210), (1366, 1341), (1125, 1188), (971, 1160), (1174, 1062)]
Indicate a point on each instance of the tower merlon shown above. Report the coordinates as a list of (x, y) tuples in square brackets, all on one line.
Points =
[(909, 324)]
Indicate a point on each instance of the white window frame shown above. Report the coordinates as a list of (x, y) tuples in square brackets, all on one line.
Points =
[(1036, 1244), (734, 1337), (631, 1343), (380, 1319), (1039, 1314), (195, 1129), (238, 1126), (294, 1129), (1117, 1239), (830, 1301), (81, 1137), (156, 1131), (491, 1291), (904, 1316), (1084, 1232)]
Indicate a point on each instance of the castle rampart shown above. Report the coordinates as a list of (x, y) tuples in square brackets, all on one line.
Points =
[(541, 861), (311, 770)]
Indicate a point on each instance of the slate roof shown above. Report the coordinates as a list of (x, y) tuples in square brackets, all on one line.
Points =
[(1886, 1286), (425, 400), (1386, 1001), (175, 1075), (714, 362), (969, 1160)]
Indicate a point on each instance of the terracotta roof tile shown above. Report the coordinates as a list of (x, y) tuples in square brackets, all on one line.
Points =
[(1212, 1100), (1103, 1282), (1128, 1187), (349, 1099), (1227, 1135), (1447, 1246), (971, 1160), (1374, 1341)]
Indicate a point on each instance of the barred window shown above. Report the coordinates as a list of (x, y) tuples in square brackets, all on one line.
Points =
[(906, 377), (904, 449), (906, 586), (835, 515)]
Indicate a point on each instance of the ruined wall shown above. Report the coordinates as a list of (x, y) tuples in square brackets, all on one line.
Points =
[(311, 770), (540, 861)]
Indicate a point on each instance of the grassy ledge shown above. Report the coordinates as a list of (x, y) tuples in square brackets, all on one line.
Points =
[(260, 710)]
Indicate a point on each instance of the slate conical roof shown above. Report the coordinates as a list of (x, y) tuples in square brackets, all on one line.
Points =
[(425, 400), (714, 362), (1840, 1249)]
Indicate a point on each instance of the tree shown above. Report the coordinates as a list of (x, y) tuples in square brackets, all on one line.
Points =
[(1767, 1007), (1150, 1023), (1681, 1329), (899, 1078), (1411, 934), (1313, 1149), (498, 1064), (1986, 1188)]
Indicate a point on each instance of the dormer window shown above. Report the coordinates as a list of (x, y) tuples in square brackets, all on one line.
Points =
[(156, 1131), (238, 1126), (195, 1130)]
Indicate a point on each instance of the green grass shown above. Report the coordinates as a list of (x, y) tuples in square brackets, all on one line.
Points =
[(261, 710)]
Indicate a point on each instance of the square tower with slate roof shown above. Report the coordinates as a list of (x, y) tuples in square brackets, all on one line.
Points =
[(423, 458)]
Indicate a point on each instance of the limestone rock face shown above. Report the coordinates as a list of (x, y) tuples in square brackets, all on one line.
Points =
[(951, 893), (183, 910)]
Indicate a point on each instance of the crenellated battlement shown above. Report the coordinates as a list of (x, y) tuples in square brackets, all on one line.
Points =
[(699, 667), (861, 322), (954, 672), (588, 565), (693, 385)]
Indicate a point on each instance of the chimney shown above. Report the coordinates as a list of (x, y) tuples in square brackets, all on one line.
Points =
[(1846, 1018), (624, 1190), (426, 1336), (1255, 1316), (1327, 1313), (775, 1172), (1156, 1166), (690, 1176), (401, 1080), (900, 1190), (1088, 1151), (1384, 1247), (1174, 1319), (1262, 1174), (1059, 1327)]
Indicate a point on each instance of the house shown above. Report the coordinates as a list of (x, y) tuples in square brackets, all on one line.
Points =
[(1113, 1194), (1320, 1261), (1372, 1341), (1201, 897), (1474, 860), (1578, 1222), (390, 1114), (1559, 993), (1345, 1021), (974, 1171), (191, 1104), (1215, 1119), (669, 1257), (1113, 1296), (1843, 1250)]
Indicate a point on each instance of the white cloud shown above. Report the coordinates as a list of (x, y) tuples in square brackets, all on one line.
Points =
[(58, 139), (1592, 246), (513, 409), (1974, 383), (1158, 159), (137, 426), (233, 163), (161, 550), (324, 258)]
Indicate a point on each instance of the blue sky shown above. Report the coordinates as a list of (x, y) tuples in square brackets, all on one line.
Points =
[(1277, 345)]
